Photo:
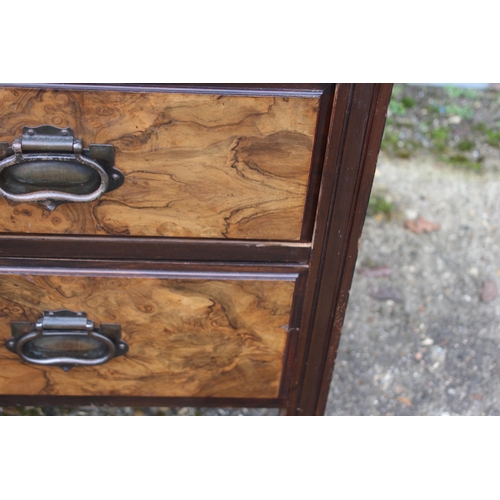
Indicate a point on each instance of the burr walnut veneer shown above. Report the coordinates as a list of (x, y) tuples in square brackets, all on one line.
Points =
[(224, 260)]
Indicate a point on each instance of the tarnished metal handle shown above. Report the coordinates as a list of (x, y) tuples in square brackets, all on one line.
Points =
[(65, 338), (48, 165)]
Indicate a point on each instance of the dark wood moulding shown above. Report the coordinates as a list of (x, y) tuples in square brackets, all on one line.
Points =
[(355, 134), (128, 248), (141, 401), (152, 269)]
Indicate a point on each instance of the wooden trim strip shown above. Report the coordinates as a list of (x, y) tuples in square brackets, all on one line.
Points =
[(121, 248), (247, 89), (151, 269), (23, 400), (293, 333), (318, 157)]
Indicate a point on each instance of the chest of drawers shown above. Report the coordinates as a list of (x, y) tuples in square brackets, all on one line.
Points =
[(180, 245)]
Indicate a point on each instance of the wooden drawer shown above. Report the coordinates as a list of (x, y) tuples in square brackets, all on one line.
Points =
[(195, 165), (187, 336)]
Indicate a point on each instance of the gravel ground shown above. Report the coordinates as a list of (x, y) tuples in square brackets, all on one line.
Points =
[(417, 338), (422, 329)]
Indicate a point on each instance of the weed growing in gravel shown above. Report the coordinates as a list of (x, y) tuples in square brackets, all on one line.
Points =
[(466, 145), (493, 138), (462, 161), (379, 205)]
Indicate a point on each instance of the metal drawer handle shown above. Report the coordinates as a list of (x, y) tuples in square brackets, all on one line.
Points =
[(48, 165), (65, 338)]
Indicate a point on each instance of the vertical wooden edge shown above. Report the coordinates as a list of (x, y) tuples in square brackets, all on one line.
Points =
[(336, 137), (358, 118), (369, 164), (293, 332), (317, 159)]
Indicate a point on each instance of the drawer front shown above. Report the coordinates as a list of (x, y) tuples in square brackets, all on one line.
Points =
[(206, 166), (186, 337)]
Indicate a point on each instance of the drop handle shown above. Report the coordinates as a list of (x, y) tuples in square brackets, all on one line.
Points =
[(66, 339), (48, 165)]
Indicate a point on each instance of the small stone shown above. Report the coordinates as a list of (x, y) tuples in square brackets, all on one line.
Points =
[(438, 354), (489, 291), (473, 271), (411, 214)]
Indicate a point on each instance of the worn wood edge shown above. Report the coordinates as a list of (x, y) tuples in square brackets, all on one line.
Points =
[(258, 90), (344, 166), (120, 248), (137, 401)]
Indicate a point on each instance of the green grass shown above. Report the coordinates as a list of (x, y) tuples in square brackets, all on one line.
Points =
[(493, 138), (408, 102), (461, 161), (440, 137), (397, 108), (378, 204), (466, 145), (457, 92), (464, 112)]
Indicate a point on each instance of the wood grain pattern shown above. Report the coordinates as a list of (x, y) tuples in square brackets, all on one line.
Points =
[(205, 166), (187, 337)]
